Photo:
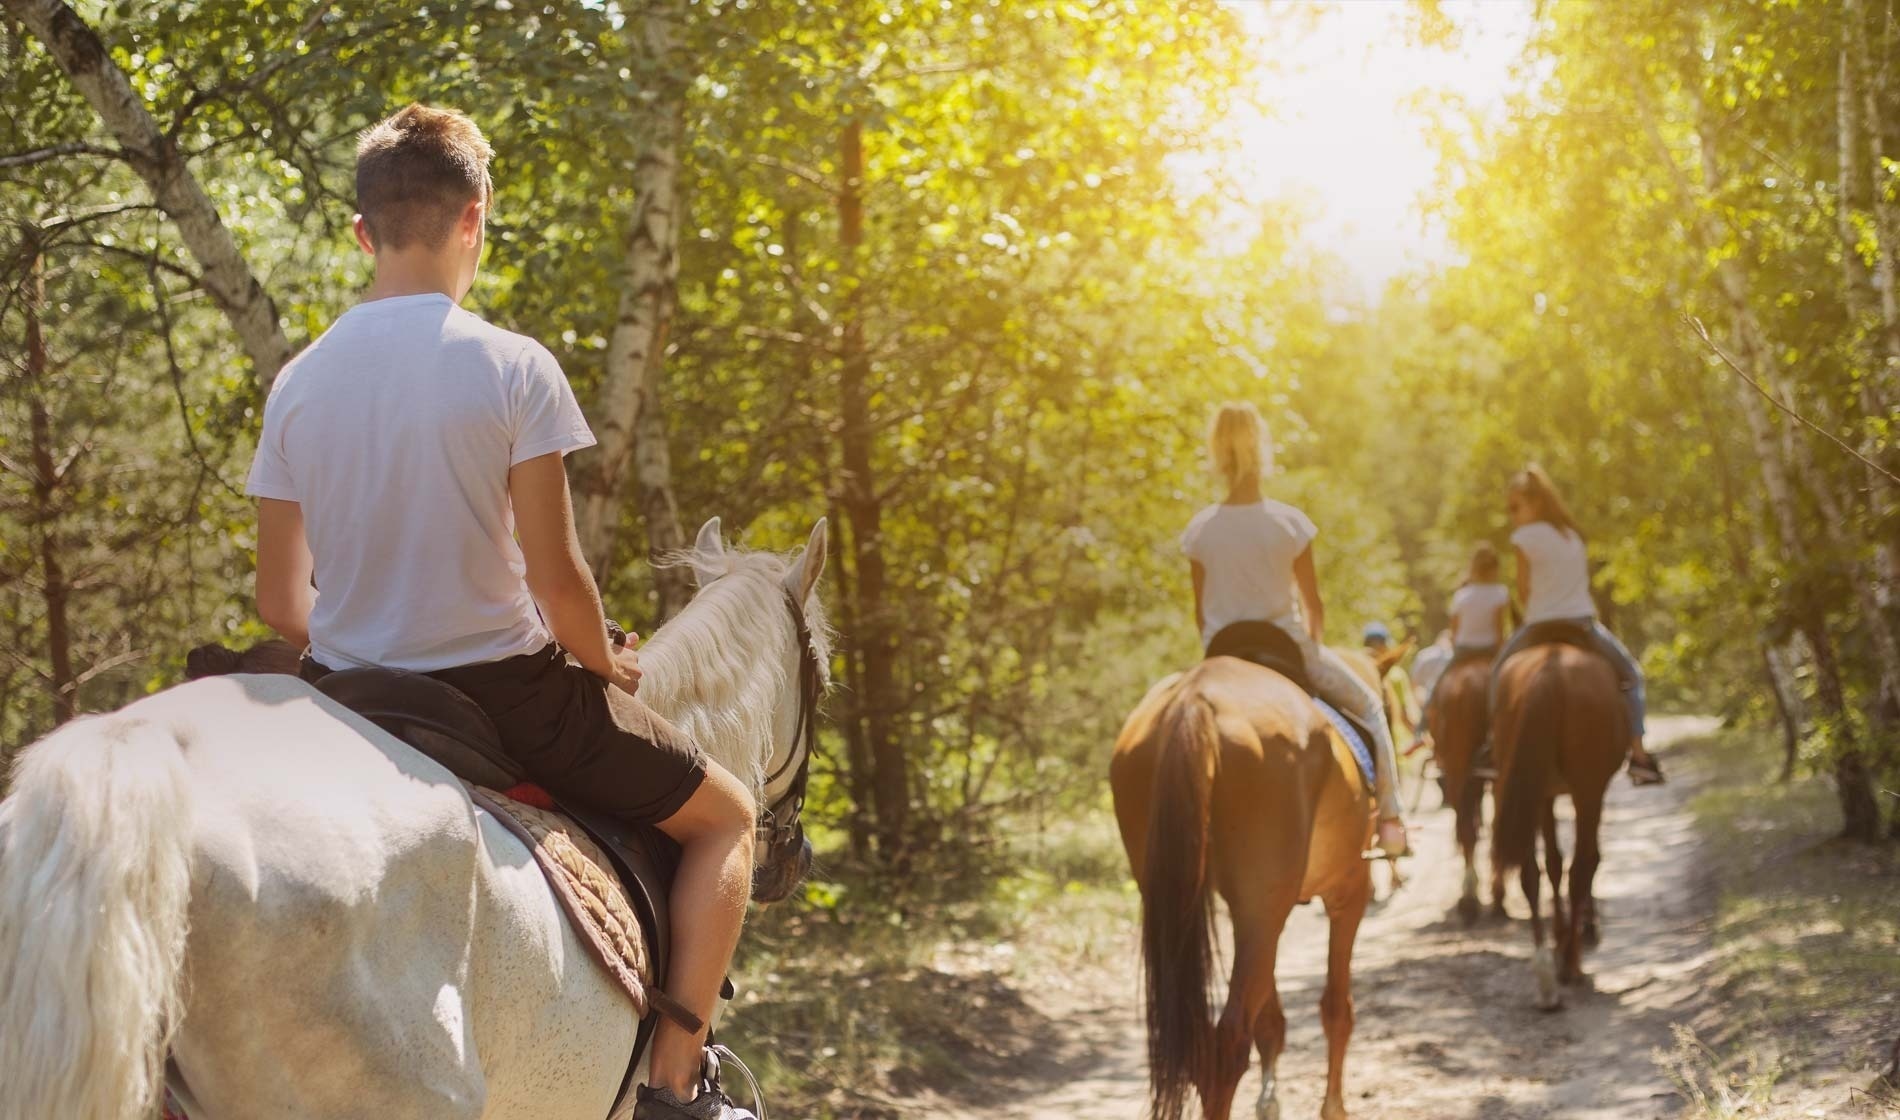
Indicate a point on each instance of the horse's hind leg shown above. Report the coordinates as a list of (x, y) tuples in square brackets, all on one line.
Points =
[(1497, 875), (1470, 807), (1543, 961), (1554, 868), (1583, 903), (1344, 913), (1252, 1014), (1269, 1036)]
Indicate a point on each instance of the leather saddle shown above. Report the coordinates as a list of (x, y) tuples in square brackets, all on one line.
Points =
[(444, 723), (1557, 632), (1270, 647)]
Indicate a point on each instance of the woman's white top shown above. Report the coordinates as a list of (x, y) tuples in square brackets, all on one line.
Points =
[(1247, 553), (1475, 608), (1560, 572)]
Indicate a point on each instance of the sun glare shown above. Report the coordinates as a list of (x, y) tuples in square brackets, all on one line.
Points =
[(1337, 122)]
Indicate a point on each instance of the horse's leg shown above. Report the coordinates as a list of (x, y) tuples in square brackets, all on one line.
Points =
[(1497, 873), (1554, 868), (1344, 912), (1470, 805), (1252, 1013), (1583, 871), (1269, 1036), (1543, 961)]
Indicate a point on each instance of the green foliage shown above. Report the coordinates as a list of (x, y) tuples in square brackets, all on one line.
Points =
[(1045, 315)]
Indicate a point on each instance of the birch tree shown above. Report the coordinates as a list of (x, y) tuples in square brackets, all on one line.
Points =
[(154, 154)]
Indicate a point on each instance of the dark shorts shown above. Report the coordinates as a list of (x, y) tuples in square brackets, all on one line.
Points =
[(555, 719)]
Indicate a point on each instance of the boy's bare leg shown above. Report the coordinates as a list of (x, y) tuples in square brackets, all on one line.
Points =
[(715, 832)]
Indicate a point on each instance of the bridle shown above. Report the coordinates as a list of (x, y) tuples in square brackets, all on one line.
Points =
[(778, 822)]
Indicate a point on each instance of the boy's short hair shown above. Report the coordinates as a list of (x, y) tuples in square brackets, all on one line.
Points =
[(415, 173)]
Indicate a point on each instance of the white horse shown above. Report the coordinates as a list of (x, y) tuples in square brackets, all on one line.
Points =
[(311, 920)]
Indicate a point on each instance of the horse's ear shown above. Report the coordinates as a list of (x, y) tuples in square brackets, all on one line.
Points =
[(810, 564), (708, 558), (1392, 657)]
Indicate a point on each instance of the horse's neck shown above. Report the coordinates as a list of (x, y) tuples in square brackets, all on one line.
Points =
[(729, 705)]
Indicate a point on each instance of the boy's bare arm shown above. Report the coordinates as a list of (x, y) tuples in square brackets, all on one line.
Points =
[(557, 573), (284, 594)]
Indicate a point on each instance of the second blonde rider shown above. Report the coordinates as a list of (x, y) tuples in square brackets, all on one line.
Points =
[(1248, 555)]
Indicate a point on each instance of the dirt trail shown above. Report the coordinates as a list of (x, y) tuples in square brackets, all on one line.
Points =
[(1446, 1027)]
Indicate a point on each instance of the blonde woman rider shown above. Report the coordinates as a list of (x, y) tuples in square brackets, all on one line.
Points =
[(1248, 555), (1553, 579)]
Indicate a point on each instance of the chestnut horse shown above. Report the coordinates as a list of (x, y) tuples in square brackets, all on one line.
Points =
[(1560, 729), (1458, 726), (1227, 778)]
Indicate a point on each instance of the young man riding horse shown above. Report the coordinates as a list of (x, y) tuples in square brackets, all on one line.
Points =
[(412, 463)]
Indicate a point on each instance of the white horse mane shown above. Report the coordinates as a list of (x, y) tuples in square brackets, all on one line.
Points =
[(721, 668)]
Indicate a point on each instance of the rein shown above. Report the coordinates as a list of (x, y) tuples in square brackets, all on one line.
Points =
[(778, 822)]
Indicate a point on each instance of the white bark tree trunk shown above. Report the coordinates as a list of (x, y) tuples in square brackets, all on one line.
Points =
[(629, 423), (1785, 465), (1864, 109), (227, 278)]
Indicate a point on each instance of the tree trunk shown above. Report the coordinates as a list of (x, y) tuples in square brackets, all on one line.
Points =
[(875, 640), (1784, 708), (54, 589), (227, 278), (1780, 459), (629, 422), (858, 774), (1864, 109), (1873, 83)]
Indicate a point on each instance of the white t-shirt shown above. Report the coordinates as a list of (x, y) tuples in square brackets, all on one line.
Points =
[(1248, 554), (1475, 606), (1429, 666), (395, 432), (1560, 572)]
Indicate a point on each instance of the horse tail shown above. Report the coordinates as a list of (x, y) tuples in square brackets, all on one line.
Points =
[(1177, 912), (1533, 751), (95, 875)]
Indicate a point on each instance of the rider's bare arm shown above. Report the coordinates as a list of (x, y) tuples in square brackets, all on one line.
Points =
[(1199, 575), (557, 574), (284, 594), (1311, 607)]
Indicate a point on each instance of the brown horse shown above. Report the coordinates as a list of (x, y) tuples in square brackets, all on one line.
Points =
[(1458, 726), (1559, 729), (1228, 779)]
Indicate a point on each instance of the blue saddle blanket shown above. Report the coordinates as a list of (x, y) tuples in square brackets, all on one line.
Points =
[(1355, 738)]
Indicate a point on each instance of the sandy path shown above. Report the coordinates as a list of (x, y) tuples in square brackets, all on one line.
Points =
[(1446, 1028)]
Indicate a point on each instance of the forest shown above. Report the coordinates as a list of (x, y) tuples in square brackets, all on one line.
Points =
[(934, 271)]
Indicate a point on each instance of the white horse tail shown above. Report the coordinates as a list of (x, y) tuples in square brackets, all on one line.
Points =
[(95, 875)]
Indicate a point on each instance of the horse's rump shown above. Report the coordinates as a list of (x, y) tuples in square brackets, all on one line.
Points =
[(1227, 753), (1555, 730)]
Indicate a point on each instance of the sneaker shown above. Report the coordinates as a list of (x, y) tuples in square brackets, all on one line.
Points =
[(1646, 772), (1390, 841), (712, 1103)]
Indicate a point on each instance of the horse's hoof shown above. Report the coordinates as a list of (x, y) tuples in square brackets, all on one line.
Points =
[(1591, 937), (1468, 911), (1332, 1110), (1267, 1108), (1544, 968)]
